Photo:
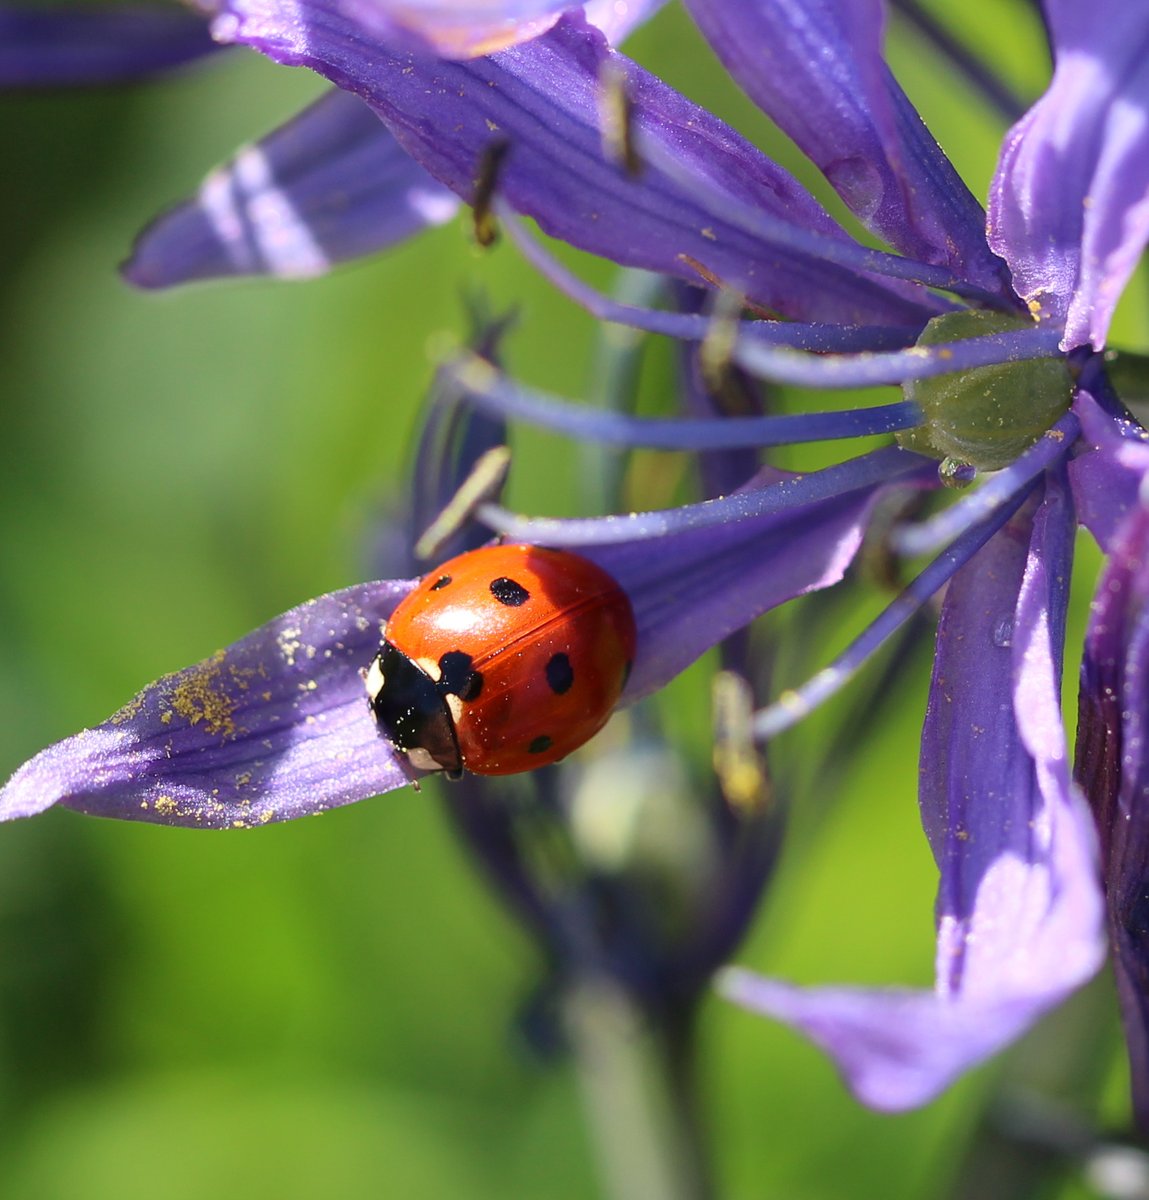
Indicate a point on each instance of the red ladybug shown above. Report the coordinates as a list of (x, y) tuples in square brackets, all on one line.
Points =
[(504, 659)]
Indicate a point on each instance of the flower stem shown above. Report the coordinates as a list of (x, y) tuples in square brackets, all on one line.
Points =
[(639, 1097)]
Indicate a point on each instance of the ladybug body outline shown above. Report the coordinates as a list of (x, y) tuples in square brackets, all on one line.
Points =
[(503, 659)]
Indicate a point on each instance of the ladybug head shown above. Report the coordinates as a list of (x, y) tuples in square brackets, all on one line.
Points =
[(412, 712)]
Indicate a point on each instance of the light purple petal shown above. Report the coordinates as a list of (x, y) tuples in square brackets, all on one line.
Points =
[(493, 392), (80, 46), (454, 28), (274, 727), (618, 19), (1019, 907), (330, 185), (1113, 766), (897, 1049), (470, 28), (781, 364), (1069, 206), (816, 68), (542, 102)]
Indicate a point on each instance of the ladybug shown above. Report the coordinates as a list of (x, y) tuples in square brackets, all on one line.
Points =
[(506, 658)]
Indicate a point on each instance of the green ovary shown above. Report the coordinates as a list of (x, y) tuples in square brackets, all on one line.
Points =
[(985, 416)]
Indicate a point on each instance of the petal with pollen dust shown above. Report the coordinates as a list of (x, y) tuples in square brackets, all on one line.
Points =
[(275, 726)]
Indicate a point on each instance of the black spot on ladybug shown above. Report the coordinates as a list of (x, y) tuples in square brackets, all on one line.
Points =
[(560, 674), (539, 744), (474, 687), (458, 676), (440, 583), (507, 591)]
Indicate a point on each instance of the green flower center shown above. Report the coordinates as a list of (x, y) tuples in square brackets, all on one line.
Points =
[(984, 417)]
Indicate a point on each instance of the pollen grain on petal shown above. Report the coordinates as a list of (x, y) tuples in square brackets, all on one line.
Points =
[(200, 696)]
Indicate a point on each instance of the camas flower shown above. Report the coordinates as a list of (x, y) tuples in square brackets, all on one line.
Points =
[(993, 325)]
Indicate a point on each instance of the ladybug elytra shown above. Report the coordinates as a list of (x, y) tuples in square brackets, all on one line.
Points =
[(504, 659)]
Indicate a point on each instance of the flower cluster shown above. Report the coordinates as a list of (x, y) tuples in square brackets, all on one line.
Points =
[(994, 323)]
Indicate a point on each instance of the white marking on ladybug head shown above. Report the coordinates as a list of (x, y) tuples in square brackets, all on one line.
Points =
[(430, 667), (374, 679), (421, 760)]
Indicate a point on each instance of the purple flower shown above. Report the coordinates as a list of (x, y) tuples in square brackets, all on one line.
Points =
[(993, 325), (277, 725), (329, 185), (1111, 756), (45, 48)]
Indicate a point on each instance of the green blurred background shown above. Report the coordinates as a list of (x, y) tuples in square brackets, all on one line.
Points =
[(327, 1008)]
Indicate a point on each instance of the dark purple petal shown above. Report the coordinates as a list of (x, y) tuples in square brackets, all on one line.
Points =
[(720, 471), (692, 590), (1109, 469), (75, 47), (541, 102), (696, 326), (1069, 206), (453, 439), (1019, 907), (330, 185), (1113, 767), (274, 727), (817, 69)]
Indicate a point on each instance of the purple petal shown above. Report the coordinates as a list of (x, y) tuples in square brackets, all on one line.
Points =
[(470, 28), (71, 47), (816, 68), (1113, 768), (1069, 206), (897, 1049), (618, 19), (330, 185), (274, 727), (697, 326), (277, 725), (458, 29), (1109, 469), (695, 575), (542, 101), (1019, 908)]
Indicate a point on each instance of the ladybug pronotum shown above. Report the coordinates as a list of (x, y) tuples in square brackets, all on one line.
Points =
[(504, 659)]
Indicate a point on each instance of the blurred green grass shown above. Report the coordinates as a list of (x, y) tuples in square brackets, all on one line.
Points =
[(327, 1008)]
